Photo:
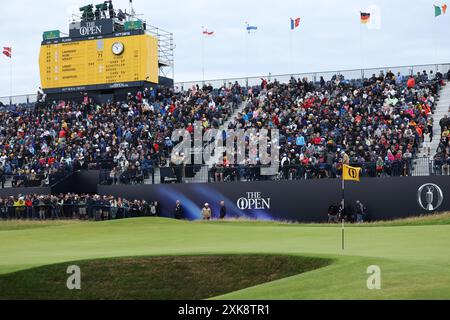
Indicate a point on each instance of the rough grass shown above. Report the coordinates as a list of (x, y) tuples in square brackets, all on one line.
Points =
[(429, 220), (426, 220), (155, 278), (28, 224)]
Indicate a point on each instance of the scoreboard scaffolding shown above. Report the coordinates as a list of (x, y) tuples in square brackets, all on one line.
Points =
[(106, 55)]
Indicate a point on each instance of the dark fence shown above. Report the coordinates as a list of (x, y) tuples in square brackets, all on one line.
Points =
[(305, 201), (386, 198)]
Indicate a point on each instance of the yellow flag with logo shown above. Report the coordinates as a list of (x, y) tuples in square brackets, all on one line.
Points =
[(351, 173)]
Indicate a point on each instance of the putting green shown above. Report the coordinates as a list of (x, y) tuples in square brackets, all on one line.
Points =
[(414, 259)]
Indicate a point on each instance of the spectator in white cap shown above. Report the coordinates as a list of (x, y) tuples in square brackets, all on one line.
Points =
[(206, 212)]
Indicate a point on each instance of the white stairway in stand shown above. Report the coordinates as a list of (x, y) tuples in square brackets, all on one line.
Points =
[(202, 175), (422, 166)]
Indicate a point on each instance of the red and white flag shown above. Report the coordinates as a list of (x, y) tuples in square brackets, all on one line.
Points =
[(208, 33), (7, 51)]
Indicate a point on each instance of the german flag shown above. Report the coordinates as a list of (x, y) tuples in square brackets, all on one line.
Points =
[(365, 18)]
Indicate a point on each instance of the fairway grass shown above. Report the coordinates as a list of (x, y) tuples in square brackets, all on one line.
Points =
[(413, 255)]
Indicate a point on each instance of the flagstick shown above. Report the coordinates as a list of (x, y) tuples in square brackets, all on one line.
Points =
[(343, 211)]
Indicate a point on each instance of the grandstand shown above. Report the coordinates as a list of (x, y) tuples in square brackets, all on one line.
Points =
[(228, 104)]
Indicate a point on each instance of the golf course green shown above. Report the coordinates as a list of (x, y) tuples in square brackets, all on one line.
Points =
[(413, 255)]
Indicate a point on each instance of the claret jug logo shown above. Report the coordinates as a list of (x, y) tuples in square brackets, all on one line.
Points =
[(430, 197)]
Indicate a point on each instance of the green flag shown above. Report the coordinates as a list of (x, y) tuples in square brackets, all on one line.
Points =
[(437, 11)]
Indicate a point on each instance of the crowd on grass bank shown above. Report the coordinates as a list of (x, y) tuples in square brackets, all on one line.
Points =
[(74, 206)]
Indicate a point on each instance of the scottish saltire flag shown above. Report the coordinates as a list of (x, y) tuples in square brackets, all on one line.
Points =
[(251, 28), (295, 23)]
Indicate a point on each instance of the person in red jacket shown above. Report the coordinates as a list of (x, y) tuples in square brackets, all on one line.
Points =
[(29, 207), (411, 83)]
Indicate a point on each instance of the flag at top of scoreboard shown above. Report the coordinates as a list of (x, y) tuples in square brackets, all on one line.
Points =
[(7, 51)]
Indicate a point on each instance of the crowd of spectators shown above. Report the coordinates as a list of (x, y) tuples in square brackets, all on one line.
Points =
[(130, 137), (377, 124), (73, 206), (442, 157)]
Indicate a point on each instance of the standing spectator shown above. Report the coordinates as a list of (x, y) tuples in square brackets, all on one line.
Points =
[(178, 212), (82, 208), (333, 214), (223, 210), (41, 206), (206, 212), (29, 207), (444, 123), (360, 212)]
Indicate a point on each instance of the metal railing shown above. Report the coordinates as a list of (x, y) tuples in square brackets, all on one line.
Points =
[(19, 100), (207, 174), (355, 74), (32, 180)]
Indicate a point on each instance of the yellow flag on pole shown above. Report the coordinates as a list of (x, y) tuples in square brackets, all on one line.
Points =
[(351, 173)]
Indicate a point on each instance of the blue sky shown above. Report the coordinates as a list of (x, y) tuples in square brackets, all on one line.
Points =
[(330, 36)]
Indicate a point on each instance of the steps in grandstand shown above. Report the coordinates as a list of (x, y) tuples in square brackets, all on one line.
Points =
[(422, 165), (202, 175)]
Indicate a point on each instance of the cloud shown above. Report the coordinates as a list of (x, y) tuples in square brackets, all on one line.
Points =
[(330, 36)]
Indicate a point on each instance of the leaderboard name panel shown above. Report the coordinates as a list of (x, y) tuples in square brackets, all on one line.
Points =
[(92, 62)]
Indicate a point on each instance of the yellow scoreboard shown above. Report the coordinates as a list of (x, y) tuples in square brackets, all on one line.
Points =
[(98, 62)]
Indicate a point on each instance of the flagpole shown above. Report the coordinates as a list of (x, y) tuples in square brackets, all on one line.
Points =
[(361, 44), (203, 55), (11, 79), (435, 41), (290, 49), (247, 39)]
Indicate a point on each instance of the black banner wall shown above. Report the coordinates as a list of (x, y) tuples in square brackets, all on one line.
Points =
[(15, 192), (304, 201), (79, 182)]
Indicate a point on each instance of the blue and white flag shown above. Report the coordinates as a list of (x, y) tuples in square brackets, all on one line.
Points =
[(251, 28)]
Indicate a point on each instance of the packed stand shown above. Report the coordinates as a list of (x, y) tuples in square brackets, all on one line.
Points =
[(377, 124), (131, 137)]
